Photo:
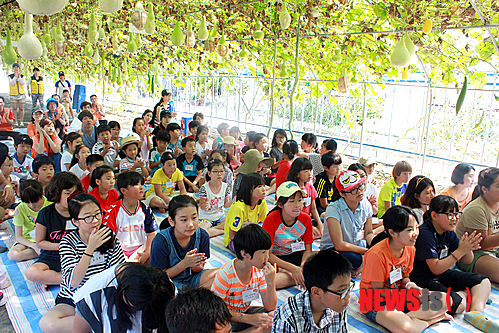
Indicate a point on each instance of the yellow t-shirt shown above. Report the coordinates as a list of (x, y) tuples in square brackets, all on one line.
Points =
[(240, 213), (167, 184)]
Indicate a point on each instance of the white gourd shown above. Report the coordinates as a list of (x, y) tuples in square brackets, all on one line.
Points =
[(110, 6), (28, 46), (42, 7)]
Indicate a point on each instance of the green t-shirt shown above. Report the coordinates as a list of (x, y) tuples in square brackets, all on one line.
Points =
[(26, 217), (389, 192)]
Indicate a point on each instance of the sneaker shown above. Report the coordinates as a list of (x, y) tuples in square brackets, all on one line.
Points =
[(21, 124), (3, 299)]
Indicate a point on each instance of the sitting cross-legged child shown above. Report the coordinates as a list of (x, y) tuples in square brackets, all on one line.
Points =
[(93, 161), (21, 158), (190, 164), (43, 169), (103, 181)]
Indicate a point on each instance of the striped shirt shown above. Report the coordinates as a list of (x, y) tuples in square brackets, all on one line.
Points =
[(228, 287), (295, 316), (71, 251), (283, 236)]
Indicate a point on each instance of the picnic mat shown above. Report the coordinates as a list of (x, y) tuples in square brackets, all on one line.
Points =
[(27, 302)]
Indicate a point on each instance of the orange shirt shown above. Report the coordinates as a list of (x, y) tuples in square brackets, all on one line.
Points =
[(47, 148), (4, 125), (448, 191), (95, 113)]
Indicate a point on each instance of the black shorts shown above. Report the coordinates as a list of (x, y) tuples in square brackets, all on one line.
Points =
[(268, 180), (237, 327), (293, 258), (64, 300), (53, 261)]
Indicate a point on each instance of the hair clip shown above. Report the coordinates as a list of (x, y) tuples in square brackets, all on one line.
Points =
[(72, 195), (419, 181)]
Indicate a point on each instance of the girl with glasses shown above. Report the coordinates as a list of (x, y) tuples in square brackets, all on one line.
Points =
[(438, 249), (348, 226), (84, 252), (387, 265)]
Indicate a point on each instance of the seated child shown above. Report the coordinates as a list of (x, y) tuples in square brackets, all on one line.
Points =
[(322, 306), (276, 152), (105, 147), (93, 161), (71, 140), (162, 139), (223, 129), (418, 195), (7, 168), (253, 162), (130, 219), (214, 196), (463, 178), (190, 164), (371, 192), (25, 215), (250, 207), (438, 249), (144, 289), (348, 226), (166, 118), (291, 233), (392, 190), (218, 154), (21, 158), (79, 162), (199, 117), (52, 224), (232, 151), (182, 249), (115, 131), (102, 183), (130, 159), (193, 128), (289, 150), (197, 310), (387, 265), (242, 280), (324, 181), (175, 144), (203, 147), (43, 169), (87, 251), (163, 183), (249, 143)]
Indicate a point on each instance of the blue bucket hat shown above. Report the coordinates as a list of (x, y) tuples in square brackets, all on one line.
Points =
[(52, 100)]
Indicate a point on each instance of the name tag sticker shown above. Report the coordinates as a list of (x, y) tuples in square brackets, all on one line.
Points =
[(307, 201), (395, 275), (250, 295), (359, 235), (32, 234), (97, 258), (170, 184), (444, 253), (189, 167), (298, 246)]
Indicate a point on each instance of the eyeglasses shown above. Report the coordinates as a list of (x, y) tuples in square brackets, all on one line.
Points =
[(450, 216), (343, 294), (355, 191), (89, 219), (218, 172)]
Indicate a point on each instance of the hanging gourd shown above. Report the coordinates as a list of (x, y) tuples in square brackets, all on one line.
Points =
[(89, 50), (138, 40), (171, 71), (93, 33), (343, 84), (125, 70), (190, 40), (115, 43), (9, 54), (284, 17), (110, 6), (96, 58), (139, 16), (155, 66), (44, 50), (150, 26), (202, 30), (114, 76), (102, 33), (132, 45), (243, 53), (59, 45), (222, 49), (336, 58), (462, 95), (178, 36), (46, 36), (42, 7), (400, 56), (284, 71), (428, 25), (28, 46), (214, 32), (258, 33), (409, 45), (119, 80)]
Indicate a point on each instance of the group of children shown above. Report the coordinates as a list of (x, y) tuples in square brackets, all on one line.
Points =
[(91, 209)]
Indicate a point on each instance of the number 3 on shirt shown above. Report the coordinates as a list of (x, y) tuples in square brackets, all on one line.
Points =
[(236, 221)]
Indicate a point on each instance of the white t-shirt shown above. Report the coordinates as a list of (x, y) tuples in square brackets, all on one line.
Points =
[(110, 156), (200, 151), (66, 158), (78, 171), (102, 286), (216, 201), (22, 170)]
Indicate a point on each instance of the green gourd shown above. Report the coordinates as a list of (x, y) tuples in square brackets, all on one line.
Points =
[(400, 56), (119, 80), (202, 30), (178, 36), (155, 66), (243, 53), (125, 70), (45, 50), (284, 17), (116, 44), (9, 54), (114, 76), (138, 40), (132, 45), (46, 36), (89, 50), (214, 32), (336, 58), (59, 37), (284, 71), (409, 45), (150, 25), (96, 58), (462, 95), (171, 71), (93, 33), (258, 33), (102, 33)]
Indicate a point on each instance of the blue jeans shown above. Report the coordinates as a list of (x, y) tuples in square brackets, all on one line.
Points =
[(354, 258), (37, 98)]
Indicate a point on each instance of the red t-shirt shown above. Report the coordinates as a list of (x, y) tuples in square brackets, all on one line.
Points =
[(283, 236), (282, 172), (85, 181), (105, 203), (4, 125), (309, 198)]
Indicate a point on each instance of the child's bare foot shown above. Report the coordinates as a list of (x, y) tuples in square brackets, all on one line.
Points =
[(356, 272), (162, 210), (443, 316)]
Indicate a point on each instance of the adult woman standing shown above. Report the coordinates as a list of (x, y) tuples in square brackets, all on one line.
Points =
[(17, 96), (463, 178), (164, 104)]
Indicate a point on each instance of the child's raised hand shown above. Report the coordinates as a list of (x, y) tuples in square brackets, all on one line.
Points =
[(192, 259), (207, 206), (470, 242), (269, 271), (97, 238)]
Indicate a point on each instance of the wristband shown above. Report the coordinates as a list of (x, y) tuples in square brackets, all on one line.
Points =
[(408, 284), (452, 254), (89, 255)]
